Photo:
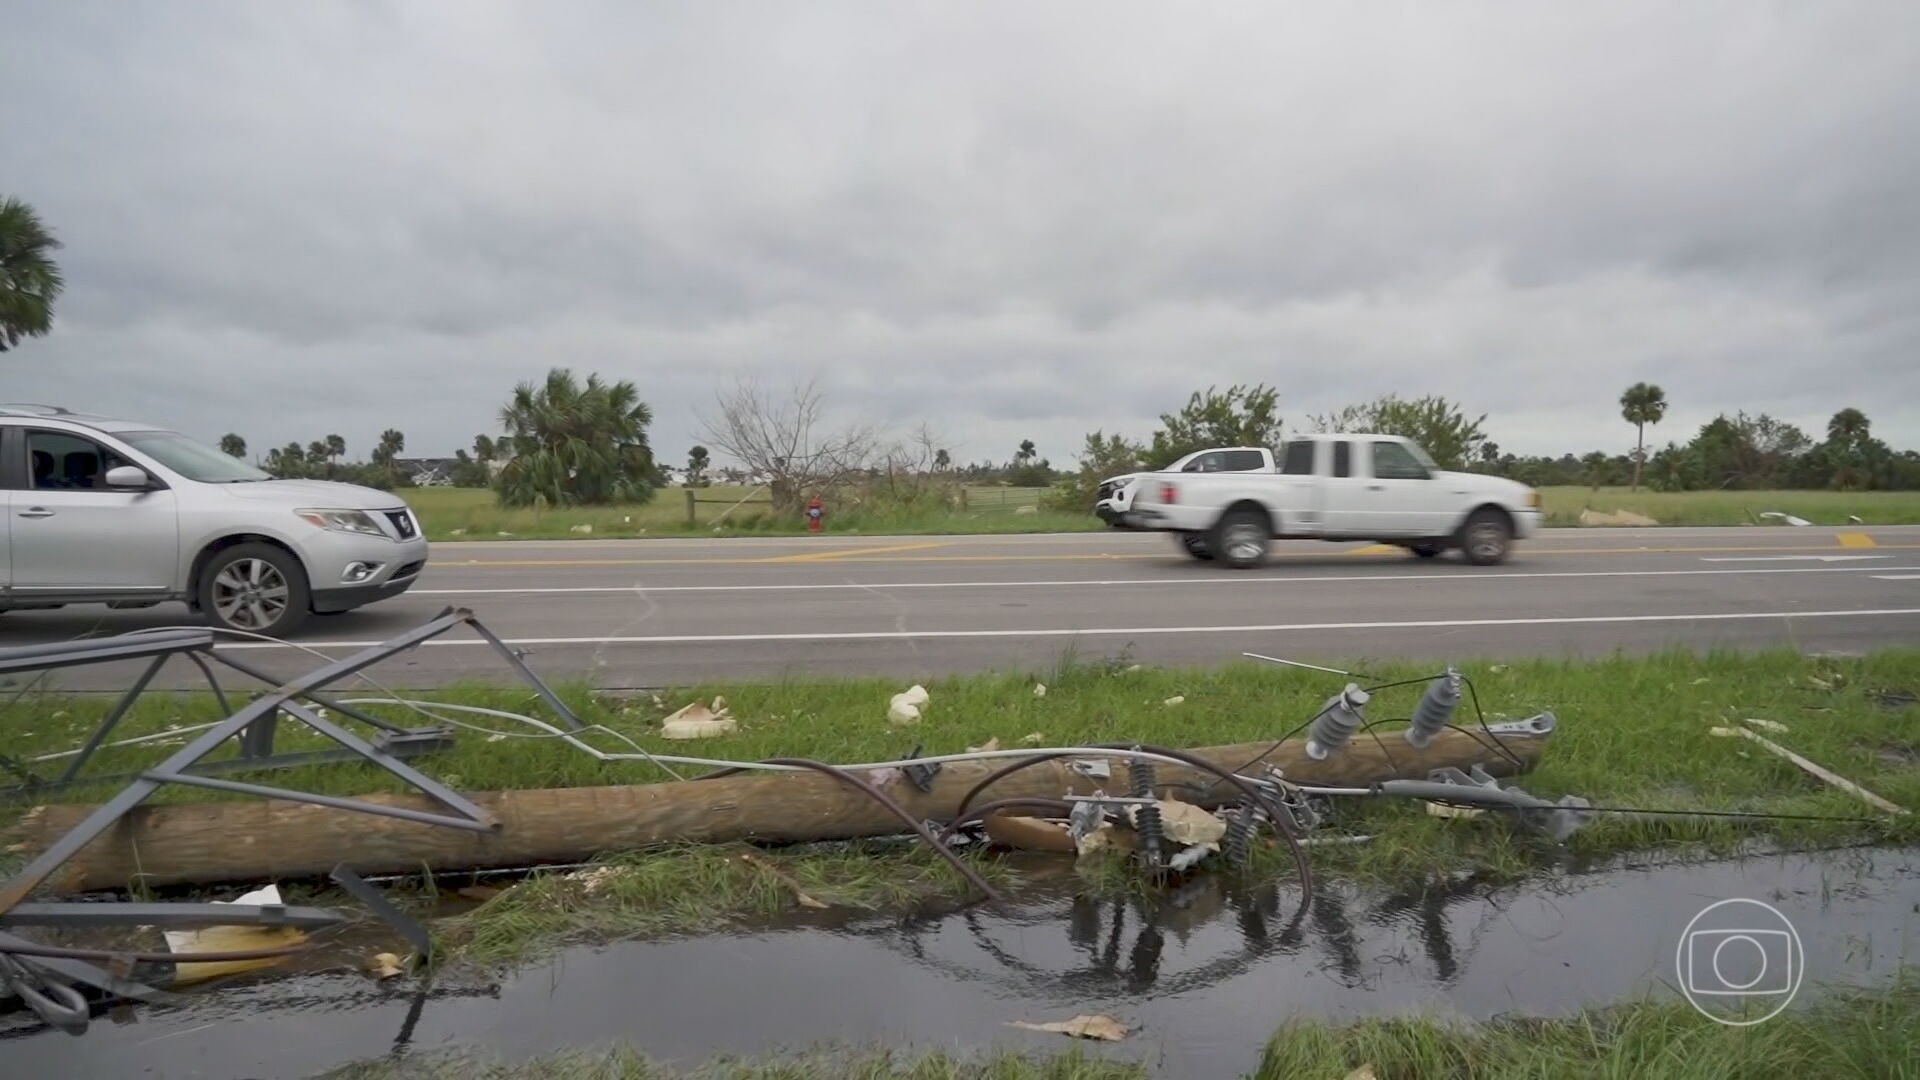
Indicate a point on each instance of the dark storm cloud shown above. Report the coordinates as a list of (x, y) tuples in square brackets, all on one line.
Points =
[(1009, 221)]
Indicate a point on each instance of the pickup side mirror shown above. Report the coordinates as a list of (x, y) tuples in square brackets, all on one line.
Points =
[(128, 478)]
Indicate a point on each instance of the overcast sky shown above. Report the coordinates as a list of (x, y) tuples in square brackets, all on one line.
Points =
[(1012, 220)]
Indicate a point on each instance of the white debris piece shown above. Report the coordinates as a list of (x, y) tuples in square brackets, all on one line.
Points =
[(907, 707), (1775, 515), (1039, 689), (583, 530), (696, 721), (1174, 700)]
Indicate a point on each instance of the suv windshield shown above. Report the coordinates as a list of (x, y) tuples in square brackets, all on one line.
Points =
[(195, 461)]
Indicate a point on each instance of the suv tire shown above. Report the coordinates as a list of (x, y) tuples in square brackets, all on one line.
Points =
[(256, 588)]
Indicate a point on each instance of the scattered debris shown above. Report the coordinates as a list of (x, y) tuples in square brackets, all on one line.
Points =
[(1443, 810), (1104, 1028), (1776, 515), (986, 747), (503, 532), (906, 708), (1893, 699), (583, 530), (800, 894), (719, 705), (1186, 823), (1818, 771), (1032, 739), (1029, 834), (1702, 681), (1855, 519), (697, 721), (1176, 699), (1364, 1072), (228, 939), (1039, 689), (1619, 517), (458, 532), (595, 879), (385, 966), (1766, 725)]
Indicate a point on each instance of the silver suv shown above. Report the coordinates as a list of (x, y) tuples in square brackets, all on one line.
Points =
[(125, 514)]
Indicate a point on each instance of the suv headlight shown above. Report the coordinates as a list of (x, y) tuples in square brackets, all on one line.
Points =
[(346, 521)]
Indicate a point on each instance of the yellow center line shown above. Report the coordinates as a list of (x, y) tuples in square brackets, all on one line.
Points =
[(849, 553)]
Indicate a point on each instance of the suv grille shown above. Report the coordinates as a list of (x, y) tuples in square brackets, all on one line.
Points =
[(402, 523)]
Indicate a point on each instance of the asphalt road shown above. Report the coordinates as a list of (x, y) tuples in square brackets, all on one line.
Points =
[(661, 612)]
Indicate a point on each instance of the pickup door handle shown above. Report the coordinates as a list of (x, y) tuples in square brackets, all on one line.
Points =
[(36, 512), (1376, 487)]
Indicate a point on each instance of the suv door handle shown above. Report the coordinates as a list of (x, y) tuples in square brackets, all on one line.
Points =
[(36, 512)]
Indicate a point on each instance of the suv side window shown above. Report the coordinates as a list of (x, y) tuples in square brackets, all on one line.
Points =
[(1343, 458), (1244, 460), (1298, 459), (1391, 461), (57, 461)]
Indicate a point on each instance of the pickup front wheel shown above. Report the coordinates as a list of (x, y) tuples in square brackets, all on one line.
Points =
[(1487, 538), (1195, 544), (1240, 539)]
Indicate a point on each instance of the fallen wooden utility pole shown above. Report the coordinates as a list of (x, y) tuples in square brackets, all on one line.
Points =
[(267, 840)]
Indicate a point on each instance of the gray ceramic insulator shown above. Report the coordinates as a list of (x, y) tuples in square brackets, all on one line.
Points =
[(1436, 709), (1337, 722)]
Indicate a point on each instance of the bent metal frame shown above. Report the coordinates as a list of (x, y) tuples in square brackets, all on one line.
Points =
[(42, 975)]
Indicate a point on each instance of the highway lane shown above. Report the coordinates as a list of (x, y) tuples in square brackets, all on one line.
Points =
[(655, 612)]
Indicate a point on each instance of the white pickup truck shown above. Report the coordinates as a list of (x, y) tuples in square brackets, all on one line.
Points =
[(1339, 487)]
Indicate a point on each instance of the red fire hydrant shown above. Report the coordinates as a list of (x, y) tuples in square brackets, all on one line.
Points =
[(816, 515)]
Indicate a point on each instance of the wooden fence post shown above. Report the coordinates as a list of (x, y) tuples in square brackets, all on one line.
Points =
[(690, 516)]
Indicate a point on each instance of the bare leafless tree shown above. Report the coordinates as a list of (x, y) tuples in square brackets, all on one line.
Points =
[(785, 438)]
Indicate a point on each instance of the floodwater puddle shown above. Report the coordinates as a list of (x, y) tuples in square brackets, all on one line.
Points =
[(1203, 977)]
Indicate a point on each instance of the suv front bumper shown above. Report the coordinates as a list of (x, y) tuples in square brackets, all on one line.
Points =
[(346, 571)]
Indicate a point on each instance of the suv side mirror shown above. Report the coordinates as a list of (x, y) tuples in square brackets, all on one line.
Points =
[(128, 478)]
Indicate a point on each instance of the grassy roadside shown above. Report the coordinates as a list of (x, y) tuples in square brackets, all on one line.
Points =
[(1633, 733), (470, 514), (1842, 1035)]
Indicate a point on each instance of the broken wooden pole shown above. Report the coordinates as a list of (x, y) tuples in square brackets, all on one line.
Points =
[(205, 843)]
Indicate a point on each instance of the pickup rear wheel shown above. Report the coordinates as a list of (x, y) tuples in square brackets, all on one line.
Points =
[(1240, 539), (1195, 544), (1487, 538)]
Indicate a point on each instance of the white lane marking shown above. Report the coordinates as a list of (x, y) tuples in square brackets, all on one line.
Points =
[(1125, 631), (1895, 577), (1210, 579), (1795, 558)]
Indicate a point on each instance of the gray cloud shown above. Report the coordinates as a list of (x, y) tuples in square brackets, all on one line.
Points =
[(1012, 222)]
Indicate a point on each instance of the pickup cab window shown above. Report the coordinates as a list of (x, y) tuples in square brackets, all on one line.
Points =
[(1298, 460), (1393, 461), (1343, 458), (1244, 460), (1214, 462)]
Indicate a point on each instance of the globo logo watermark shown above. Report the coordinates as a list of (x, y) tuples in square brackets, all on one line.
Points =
[(1740, 962)]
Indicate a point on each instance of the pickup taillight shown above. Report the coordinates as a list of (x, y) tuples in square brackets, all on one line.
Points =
[(1169, 494)]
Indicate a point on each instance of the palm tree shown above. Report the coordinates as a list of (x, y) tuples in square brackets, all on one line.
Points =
[(942, 461), (698, 459), (1026, 453), (1642, 404), (29, 280), (336, 449), (484, 448), (233, 445), (391, 443), (1849, 427), (575, 444), (317, 452)]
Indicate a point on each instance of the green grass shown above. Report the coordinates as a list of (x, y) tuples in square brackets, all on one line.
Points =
[(624, 1063), (1843, 1035), (1563, 505), (688, 890), (471, 514)]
